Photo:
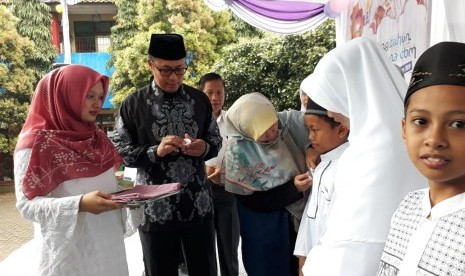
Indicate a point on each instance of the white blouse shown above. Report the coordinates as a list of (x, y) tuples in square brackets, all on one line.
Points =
[(72, 242), (218, 160)]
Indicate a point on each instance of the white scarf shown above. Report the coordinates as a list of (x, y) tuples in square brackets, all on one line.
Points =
[(374, 174)]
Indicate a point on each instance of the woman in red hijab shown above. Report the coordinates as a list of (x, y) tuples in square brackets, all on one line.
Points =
[(64, 174)]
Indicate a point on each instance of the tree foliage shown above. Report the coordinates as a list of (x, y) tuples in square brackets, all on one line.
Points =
[(245, 30), (205, 33), (274, 65), (126, 26), (122, 37), (34, 23), (16, 80)]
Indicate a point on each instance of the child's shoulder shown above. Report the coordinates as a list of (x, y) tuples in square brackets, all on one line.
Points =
[(339, 150), (417, 194), (336, 152), (413, 199)]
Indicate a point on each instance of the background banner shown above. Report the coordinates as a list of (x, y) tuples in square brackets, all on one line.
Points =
[(401, 27)]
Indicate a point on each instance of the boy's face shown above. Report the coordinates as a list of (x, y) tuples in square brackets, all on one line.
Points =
[(434, 132), (323, 137)]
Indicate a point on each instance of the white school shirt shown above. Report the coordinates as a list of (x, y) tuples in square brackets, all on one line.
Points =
[(218, 160), (316, 210), (417, 245)]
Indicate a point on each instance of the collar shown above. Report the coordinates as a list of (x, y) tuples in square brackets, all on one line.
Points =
[(443, 208), (159, 94), (334, 153), (222, 117)]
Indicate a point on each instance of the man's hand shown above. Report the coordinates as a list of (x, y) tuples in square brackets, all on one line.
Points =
[(97, 202), (169, 144), (192, 146)]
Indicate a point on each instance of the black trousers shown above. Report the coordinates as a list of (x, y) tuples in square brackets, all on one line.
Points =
[(161, 251), (227, 230)]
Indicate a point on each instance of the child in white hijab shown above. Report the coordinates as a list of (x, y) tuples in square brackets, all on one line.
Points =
[(358, 81)]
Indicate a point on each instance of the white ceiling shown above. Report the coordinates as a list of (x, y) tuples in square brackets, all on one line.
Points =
[(92, 9)]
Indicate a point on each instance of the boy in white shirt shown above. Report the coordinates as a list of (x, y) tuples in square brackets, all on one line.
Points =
[(427, 230), (329, 139)]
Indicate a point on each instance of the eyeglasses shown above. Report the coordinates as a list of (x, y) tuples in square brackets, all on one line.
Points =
[(166, 72)]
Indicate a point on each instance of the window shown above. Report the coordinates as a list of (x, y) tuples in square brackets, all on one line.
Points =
[(92, 36)]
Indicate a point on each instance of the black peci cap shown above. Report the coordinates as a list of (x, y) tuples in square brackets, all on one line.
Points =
[(167, 46), (443, 63)]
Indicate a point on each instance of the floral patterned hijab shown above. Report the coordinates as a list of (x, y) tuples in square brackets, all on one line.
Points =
[(254, 166), (63, 146)]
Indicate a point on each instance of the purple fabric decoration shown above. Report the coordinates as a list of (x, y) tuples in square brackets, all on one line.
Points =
[(283, 10)]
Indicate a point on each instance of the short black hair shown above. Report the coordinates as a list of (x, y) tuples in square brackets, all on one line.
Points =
[(209, 77), (332, 123)]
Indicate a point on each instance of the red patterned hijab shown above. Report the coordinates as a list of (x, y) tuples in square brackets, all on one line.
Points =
[(63, 146)]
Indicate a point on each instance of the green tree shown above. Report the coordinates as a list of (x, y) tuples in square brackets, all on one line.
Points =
[(35, 23), (245, 30), (274, 65), (205, 33), (126, 26), (122, 35), (16, 81)]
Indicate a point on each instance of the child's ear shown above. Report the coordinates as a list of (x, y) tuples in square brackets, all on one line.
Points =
[(403, 129), (343, 131)]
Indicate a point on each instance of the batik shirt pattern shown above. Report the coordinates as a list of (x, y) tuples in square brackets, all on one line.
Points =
[(443, 253), (145, 118)]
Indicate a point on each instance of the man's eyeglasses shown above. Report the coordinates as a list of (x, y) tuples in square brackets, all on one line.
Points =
[(166, 72)]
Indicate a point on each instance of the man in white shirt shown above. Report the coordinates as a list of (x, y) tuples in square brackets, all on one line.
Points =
[(225, 210)]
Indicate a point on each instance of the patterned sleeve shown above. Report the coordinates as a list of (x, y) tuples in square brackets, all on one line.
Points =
[(125, 139)]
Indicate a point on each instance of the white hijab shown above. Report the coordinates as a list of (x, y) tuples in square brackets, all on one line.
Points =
[(374, 174)]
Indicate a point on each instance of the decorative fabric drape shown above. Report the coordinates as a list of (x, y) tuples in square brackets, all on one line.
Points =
[(284, 17)]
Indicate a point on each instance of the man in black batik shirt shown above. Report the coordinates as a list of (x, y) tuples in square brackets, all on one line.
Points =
[(166, 130)]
